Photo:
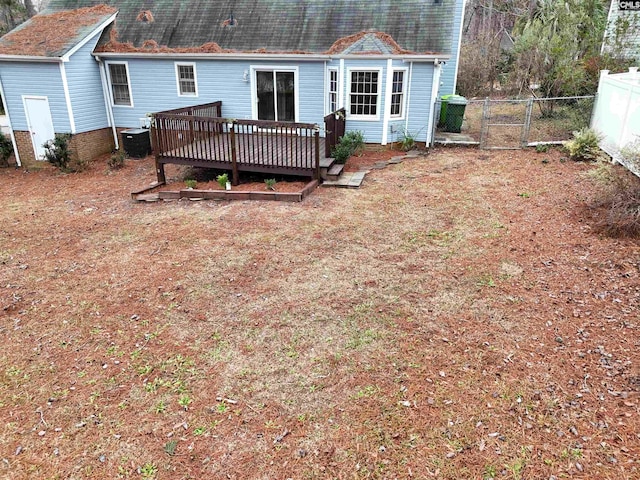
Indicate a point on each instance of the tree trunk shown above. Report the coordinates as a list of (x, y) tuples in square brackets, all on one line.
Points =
[(31, 11)]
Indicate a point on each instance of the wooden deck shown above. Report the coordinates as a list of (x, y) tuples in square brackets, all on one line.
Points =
[(264, 152), (200, 137)]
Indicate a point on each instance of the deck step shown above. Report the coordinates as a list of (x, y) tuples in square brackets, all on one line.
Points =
[(334, 172), (327, 162)]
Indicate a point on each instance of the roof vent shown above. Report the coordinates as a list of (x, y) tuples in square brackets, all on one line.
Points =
[(230, 22), (145, 16)]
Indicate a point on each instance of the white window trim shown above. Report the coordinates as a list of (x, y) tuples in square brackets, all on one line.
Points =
[(195, 78), (364, 118), (403, 104), (274, 68), (108, 71), (330, 70)]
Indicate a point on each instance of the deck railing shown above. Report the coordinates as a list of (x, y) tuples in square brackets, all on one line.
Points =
[(334, 126), (183, 137)]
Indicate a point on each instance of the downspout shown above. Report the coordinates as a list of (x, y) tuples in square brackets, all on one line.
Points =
[(107, 103), (67, 98), (13, 137), (435, 85)]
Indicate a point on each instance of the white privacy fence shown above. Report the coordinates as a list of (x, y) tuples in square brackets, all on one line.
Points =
[(616, 116)]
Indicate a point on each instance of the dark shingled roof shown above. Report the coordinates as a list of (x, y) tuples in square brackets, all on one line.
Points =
[(311, 26)]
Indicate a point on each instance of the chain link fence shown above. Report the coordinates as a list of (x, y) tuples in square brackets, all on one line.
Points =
[(514, 123)]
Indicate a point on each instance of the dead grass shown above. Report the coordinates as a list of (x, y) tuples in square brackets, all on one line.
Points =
[(455, 317)]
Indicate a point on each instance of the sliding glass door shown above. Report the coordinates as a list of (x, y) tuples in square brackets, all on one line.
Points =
[(275, 93)]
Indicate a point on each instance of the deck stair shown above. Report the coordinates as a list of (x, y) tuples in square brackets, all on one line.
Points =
[(333, 175)]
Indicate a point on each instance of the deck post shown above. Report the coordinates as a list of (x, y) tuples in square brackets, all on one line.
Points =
[(234, 160), (160, 172), (317, 148)]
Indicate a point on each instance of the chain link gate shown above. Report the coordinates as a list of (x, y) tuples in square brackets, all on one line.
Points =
[(516, 123), (505, 124)]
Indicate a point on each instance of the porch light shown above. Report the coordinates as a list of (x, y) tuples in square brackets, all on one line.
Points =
[(245, 75)]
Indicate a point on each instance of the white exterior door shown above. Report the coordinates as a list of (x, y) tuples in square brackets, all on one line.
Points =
[(39, 123)]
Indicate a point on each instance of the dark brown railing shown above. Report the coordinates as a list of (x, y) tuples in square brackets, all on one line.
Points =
[(183, 137), (334, 127)]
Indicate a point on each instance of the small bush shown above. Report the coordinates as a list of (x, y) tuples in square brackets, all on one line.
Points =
[(270, 183), (408, 141), (630, 154), (116, 161), (58, 153), (619, 196), (222, 180), (6, 149), (190, 183), (350, 143), (542, 148), (584, 145)]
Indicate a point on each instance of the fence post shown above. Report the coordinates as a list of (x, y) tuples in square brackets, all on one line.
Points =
[(526, 128), (234, 161), (484, 127)]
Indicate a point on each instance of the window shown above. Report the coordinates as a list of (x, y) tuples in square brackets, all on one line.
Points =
[(120, 88), (187, 80), (333, 90), (397, 94), (364, 93)]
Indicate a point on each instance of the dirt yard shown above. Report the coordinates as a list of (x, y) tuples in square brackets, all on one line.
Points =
[(457, 317)]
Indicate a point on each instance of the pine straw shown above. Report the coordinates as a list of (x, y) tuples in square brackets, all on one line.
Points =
[(46, 35), (435, 323), (343, 43)]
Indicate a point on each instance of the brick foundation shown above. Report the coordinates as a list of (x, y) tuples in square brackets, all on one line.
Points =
[(87, 145), (25, 149)]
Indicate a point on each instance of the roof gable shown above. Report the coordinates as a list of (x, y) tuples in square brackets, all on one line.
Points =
[(54, 34), (309, 26)]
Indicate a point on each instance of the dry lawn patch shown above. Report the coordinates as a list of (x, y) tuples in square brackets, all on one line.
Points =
[(456, 317)]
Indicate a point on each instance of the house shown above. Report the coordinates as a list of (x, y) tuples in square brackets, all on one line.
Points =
[(92, 68), (622, 35)]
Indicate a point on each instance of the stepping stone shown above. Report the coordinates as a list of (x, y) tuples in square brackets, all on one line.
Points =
[(356, 179), (347, 180)]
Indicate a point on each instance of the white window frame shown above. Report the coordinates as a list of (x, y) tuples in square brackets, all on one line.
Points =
[(195, 78), (108, 69), (274, 68), (403, 94), (335, 92), (369, 118)]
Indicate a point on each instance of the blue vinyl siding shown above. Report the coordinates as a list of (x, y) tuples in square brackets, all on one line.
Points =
[(418, 106), (153, 87), (85, 89), (448, 76), (37, 79), (372, 130)]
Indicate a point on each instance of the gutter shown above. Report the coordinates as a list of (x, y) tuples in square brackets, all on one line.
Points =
[(30, 59), (311, 57)]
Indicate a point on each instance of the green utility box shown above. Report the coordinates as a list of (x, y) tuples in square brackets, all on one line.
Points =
[(454, 114)]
